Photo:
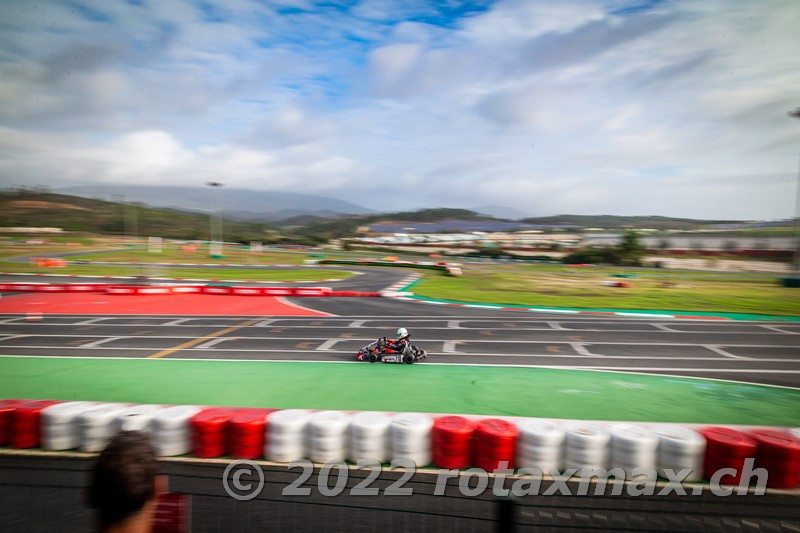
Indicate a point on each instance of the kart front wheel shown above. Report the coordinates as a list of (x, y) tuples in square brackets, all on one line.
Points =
[(372, 358), (408, 359)]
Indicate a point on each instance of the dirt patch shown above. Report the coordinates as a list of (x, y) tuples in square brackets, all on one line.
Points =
[(32, 204)]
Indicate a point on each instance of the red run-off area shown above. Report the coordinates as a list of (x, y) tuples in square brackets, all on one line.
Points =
[(154, 304)]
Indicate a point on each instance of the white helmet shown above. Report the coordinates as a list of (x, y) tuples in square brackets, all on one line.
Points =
[(402, 333)]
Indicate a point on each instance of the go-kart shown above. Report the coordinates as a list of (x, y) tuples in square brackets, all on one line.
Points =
[(379, 351)]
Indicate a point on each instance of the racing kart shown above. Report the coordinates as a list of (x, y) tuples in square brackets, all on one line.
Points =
[(379, 351)]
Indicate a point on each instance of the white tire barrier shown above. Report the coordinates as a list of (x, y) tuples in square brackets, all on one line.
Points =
[(410, 438), (328, 436), (586, 446), (59, 425), (171, 430), (96, 425), (286, 436), (135, 418), (679, 449), (368, 437), (540, 445), (633, 447)]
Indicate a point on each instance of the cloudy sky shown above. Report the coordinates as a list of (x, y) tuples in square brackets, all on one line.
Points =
[(673, 107)]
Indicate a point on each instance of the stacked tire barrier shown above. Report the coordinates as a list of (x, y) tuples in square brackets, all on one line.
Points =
[(680, 448), (287, 440), (540, 445), (727, 448), (209, 429), (443, 441), (410, 438), (452, 441), (247, 433), (368, 434), (495, 444)]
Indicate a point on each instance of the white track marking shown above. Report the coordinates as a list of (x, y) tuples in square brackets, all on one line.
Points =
[(716, 349), (177, 322), (24, 322), (356, 323), (328, 344), (214, 342), (454, 324), (555, 326), (12, 337), (97, 343), (711, 347), (581, 349), (779, 330), (11, 320), (465, 354), (87, 322), (450, 347), (664, 327)]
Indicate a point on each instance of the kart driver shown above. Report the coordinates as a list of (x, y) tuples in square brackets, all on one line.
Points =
[(403, 341)]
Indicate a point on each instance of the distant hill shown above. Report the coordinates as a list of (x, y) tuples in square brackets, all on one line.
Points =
[(238, 204), (621, 222), (502, 212), (23, 208)]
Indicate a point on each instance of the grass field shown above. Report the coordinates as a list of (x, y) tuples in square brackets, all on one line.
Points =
[(558, 286)]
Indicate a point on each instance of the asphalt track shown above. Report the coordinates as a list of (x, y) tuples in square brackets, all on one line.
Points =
[(754, 352)]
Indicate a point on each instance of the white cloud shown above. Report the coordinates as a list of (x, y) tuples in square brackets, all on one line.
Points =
[(548, 107)]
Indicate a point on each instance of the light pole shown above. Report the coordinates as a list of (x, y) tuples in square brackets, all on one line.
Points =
[(215, 245), (796, 255)]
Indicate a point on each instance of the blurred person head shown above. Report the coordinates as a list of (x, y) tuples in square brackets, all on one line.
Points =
[(124, 484)]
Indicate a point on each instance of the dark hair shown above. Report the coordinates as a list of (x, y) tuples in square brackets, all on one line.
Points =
[(123, 477)]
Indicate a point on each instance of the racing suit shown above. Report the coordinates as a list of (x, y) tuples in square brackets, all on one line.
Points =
[(399, 345)]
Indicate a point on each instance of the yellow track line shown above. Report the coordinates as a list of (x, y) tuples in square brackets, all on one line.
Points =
[(193, 342)]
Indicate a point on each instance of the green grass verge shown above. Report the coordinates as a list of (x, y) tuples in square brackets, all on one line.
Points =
[(548, 286), (551, 393), (243, 274)]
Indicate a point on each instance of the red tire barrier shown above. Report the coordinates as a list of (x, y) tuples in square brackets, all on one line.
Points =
[(210, 431), (7, 408), (779, 453), (51, 287), (727, 448), (495, 442), (247, 430), (187, 289), (247, 291), (26, 423), (276, 291), (311, 291), (452, 439), (86, 287)]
